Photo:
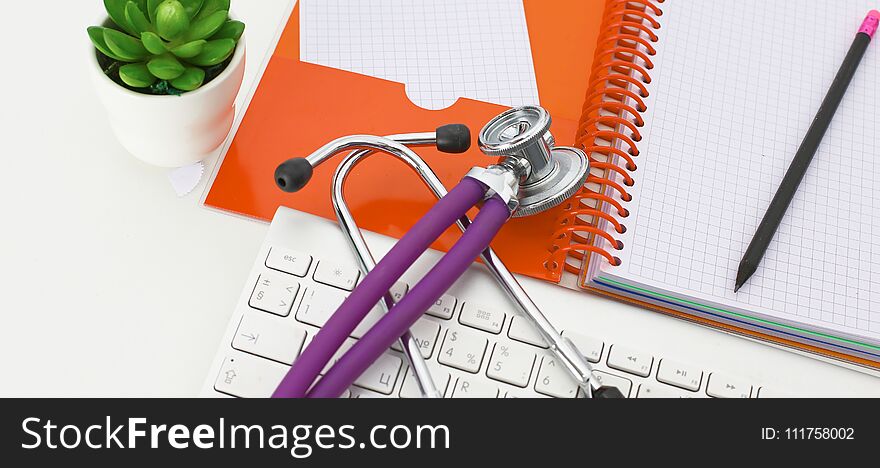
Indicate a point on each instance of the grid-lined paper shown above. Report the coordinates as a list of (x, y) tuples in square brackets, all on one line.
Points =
[(441, 50), (736, 86)]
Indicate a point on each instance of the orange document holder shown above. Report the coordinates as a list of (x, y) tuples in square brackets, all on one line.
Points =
[(299, 106)]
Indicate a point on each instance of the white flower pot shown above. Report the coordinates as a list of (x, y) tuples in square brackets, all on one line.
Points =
[(172, 131)]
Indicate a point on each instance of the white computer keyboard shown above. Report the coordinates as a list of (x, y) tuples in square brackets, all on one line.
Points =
[(474, 342)]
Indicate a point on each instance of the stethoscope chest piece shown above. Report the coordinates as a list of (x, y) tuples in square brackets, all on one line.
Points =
[(550, 174)]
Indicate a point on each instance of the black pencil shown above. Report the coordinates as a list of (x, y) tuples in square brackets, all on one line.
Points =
[(773, 217)]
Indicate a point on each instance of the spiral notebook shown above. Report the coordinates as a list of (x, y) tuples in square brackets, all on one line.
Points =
[(690, 112), (733, 90)]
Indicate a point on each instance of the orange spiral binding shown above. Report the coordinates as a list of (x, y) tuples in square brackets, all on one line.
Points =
[(612, 112)]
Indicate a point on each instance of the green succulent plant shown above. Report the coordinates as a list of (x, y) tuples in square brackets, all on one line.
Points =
[(157, 43)]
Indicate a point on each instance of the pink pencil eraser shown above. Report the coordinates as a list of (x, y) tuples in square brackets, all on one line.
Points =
[(869, 26)]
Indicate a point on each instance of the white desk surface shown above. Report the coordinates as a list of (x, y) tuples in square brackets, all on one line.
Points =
[(111, 285)]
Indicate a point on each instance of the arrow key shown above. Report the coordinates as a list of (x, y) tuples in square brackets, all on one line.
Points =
[(270, 337), (249, 377)]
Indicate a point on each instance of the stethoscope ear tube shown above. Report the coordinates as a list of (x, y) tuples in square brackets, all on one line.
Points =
[(476, 238)]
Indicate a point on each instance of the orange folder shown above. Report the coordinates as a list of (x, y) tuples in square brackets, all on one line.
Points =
[(299, 106)]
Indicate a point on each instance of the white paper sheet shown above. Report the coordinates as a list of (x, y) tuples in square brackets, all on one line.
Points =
[(441, 50)]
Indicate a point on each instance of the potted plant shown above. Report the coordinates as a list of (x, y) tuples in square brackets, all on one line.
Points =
[(168, 72)]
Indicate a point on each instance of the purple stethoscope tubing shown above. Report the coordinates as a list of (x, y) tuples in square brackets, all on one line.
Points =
[(405, 313), (374, 286)]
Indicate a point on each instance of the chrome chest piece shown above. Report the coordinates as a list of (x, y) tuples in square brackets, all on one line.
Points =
[(534, 173)]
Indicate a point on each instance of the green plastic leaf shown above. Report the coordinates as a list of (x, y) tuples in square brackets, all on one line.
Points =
[(206, 27), (116, 10), (231, 30), (152, 6), (165, 67), (136, 18), (215, 52), (190, 49), (211, 6), (153, 43), (171, 20), (96, 34), (137, 75), (125, 47), (191, 79), (192, 7)]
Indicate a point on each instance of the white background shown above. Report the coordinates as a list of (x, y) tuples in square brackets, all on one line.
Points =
[(112, 286)]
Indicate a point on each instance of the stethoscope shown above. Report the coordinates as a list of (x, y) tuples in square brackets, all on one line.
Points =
[(532, 176)]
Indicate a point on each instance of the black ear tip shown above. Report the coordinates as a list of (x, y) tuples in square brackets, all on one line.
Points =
[(455, 138), (292, 175)]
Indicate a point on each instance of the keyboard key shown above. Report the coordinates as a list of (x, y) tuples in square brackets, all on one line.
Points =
[(357, 392), (398, 291), (274, 293), (382, 375), (339, 353), (722, 386), (410, 388), (249, 376), (590, 348), (554, 380), (765, 392), (463, 350), (623, 384), (523, 394), (511, 364), (650, 390), (318, 304), (474, 387), (481, 318), (627, 360), (270, 337), (337, 275), (521, 330), (444, 307), (425, 333), (376, 313), (288, 261), (680, 375)]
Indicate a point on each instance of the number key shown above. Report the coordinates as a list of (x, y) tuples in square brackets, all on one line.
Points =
[(553, 380), (511, 364), (463, 350)]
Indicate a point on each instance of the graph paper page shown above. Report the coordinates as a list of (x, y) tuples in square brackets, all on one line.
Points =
[(736, 86), (441, 50)]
